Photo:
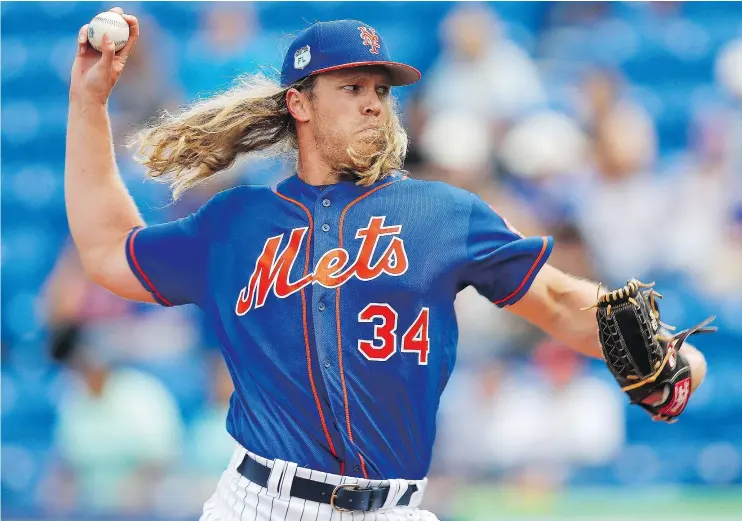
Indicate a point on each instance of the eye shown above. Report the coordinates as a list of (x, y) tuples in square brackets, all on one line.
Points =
[(382, 90), (352, 88)]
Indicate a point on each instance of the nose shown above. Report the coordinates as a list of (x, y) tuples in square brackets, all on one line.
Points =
[(373, 105)]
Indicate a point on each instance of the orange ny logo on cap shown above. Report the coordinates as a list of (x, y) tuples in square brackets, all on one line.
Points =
[(370, 39)]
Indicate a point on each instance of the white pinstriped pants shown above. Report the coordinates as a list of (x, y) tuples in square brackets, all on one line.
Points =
[(239, 499)]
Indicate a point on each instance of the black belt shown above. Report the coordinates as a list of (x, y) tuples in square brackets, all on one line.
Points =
[(341, 497)]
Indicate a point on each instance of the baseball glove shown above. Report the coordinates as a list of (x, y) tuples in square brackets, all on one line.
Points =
[(641, 352)]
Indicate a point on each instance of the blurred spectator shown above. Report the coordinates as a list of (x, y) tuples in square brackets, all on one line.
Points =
[(599, 93), (466, 415), (729, 76), (458, 148), (531, 425), (118, 430), (547, 422), (415, 120), (729, 68), (541, 155), (543, 145), (480, 73), (620, 205), (700, 241)]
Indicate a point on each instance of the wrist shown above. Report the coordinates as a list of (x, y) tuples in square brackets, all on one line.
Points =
[(85, 102)]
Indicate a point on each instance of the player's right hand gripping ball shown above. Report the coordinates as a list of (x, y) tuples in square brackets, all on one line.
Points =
[(640, 351), (112, 24)]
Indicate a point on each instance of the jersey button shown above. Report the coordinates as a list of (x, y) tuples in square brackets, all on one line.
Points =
[(327, 363), (321, 306), (326, 203), (325, 227), (357, 468)]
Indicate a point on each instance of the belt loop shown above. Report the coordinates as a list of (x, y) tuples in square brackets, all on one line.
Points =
[(397, 488), (273, 486), (239, 454), (417, 498), (284, 487)]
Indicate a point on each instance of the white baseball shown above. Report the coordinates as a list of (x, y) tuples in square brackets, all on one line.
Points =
[(109, 23)]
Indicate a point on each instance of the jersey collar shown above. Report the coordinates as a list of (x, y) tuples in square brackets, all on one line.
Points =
[(295, 188)]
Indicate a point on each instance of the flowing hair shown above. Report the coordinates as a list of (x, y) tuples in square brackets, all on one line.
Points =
[(188, 147)]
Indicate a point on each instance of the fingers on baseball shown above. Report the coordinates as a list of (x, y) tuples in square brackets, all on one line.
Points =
[(117, 10), (82, 39), (133, 35), (108, 49)]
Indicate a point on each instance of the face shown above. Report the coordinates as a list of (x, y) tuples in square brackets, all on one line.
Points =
[(349, 108)]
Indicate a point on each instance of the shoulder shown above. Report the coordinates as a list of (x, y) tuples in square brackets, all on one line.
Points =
[(238, 195), (436, 201), (440, 191), (234, 201)]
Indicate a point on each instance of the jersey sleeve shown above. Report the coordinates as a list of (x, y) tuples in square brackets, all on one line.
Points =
[(170, 260), (500, 262)]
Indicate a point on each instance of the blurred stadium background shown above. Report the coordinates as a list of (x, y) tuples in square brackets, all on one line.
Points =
[(615, 127)]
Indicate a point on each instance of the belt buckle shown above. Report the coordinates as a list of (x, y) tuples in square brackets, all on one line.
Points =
[(349, 486)]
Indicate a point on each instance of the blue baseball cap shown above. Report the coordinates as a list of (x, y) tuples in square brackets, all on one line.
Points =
[(341, 44)]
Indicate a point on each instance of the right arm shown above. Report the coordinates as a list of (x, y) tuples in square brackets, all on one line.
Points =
[(100, 210)]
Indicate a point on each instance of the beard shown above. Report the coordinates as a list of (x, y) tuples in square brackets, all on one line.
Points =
[(362, 150), (369, 143)]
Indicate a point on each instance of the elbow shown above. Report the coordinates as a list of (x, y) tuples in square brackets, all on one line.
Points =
[(559, 311), (556, 296), (99, 266), (553, 304), (92, 265)]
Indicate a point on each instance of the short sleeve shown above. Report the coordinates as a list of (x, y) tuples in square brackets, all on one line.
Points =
[(500, 262), (170, 260)]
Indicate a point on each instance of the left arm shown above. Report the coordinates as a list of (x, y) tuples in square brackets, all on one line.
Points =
[(554, 304)]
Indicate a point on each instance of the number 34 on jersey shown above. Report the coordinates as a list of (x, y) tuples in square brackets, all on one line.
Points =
[(415, 340)]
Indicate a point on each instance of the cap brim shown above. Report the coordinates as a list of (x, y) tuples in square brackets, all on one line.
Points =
[(401, 74)]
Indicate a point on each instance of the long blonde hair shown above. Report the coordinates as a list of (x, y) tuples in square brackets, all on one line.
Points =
[(207, 137)]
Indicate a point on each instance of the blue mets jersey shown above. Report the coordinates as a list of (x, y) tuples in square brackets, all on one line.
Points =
[(334, 307)]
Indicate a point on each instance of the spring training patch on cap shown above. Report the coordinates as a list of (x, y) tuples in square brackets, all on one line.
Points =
[(302, 57)]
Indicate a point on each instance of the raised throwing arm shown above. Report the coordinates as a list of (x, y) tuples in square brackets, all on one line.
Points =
[(100, 210)]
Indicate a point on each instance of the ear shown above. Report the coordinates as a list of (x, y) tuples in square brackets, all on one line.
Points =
[(298, 105)]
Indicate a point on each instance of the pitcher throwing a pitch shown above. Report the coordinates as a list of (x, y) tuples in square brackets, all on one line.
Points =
[(332, 295)]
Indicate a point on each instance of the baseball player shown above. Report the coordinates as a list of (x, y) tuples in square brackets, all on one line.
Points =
[(332, 295)]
